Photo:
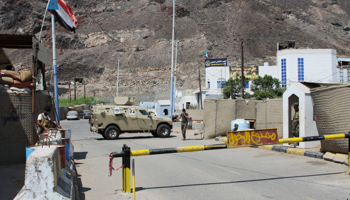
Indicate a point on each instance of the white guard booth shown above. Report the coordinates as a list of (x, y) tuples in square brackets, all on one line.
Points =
[(300, 93)]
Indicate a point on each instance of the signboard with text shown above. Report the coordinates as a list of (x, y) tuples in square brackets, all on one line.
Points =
[(252, 137), (250, 71), (219, 62)]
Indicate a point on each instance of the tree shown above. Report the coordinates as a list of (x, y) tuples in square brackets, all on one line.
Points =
[(232, 88), (266, 87)]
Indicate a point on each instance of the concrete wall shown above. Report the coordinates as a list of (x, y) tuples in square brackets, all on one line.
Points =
[(269, 114), (195, 114), (49, 173), (218, 114)]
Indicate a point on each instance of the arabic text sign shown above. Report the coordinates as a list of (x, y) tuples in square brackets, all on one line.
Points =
[(219, 62), (252, 137)]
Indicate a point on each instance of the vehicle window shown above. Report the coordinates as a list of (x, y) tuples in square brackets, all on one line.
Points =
[(143, 112)]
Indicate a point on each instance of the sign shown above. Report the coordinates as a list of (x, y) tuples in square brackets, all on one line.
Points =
[(116, 110), (250, 71), (132, 111), (148, 105), (251, 137), (219, 62)]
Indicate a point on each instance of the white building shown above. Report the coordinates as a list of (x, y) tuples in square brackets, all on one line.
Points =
[(312, 65), (215, 77), (189, 98)]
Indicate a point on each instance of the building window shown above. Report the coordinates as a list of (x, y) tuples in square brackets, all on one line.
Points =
[(300, 69), (284, 72), (221, 82)]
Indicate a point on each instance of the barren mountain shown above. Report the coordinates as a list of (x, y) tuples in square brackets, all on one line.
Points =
[(140, 31)]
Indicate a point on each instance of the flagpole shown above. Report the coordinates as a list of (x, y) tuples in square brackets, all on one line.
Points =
[(55, 68), (42, 24)]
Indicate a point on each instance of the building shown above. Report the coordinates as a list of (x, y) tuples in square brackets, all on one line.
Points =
[(311, 65)]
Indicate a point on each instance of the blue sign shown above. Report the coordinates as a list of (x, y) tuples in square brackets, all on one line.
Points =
[(219, 62)]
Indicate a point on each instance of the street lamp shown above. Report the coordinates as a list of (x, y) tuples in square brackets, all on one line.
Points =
[(172, 65), (118, 74)]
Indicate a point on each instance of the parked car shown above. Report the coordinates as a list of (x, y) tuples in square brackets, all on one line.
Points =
[(85, 114), (72, 115)]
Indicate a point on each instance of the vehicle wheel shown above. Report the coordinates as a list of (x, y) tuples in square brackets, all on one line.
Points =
[(112, 132), (163, 130), (154, 133)]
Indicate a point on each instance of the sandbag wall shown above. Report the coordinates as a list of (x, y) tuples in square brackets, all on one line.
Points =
[(17, 127), (218, 114), (332, 112)]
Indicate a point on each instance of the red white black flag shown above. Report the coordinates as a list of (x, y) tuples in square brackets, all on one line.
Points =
[(63, 14)]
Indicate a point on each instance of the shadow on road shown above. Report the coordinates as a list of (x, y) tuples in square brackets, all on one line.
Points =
[(80, 155), (242, 181), (134, 137)]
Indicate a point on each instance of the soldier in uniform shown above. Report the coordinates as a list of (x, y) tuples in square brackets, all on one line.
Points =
[(184, 122), (295, 130), (44, 121)]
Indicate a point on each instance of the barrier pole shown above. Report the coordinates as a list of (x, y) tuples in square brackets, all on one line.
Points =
[(348, 155), (126, 169), (133, 180)]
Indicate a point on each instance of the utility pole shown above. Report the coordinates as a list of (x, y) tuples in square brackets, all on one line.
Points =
[(200, 88), (75, 90), (242, 70), (84, 88), (174, 103), (70, 98), (172, 65), (231, 88)]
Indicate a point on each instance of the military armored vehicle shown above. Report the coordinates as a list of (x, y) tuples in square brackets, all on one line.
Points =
[(112, 120)]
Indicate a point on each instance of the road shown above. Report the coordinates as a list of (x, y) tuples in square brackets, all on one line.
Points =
[(241, 173)]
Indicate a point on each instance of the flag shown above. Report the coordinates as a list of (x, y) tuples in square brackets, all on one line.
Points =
[(63, 14)]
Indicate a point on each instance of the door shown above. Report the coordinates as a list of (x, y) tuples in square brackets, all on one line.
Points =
[(143, 120)]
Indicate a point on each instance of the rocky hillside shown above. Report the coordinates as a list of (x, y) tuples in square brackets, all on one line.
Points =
[(140, 31)]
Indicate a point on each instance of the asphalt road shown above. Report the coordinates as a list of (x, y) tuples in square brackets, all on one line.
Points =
[(241, 173)]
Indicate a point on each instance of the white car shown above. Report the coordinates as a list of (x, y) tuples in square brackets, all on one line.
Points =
[(72, 115)]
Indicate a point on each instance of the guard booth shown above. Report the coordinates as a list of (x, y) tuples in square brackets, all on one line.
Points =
[(163, 108), (20, 102)]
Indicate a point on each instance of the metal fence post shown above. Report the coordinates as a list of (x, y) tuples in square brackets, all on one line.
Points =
[(133, 180), (126, 169)]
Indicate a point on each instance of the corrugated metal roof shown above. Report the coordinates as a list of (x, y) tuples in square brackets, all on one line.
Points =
[(15, 41)]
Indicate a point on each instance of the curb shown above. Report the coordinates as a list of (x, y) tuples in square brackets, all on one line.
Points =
[(334, 157)]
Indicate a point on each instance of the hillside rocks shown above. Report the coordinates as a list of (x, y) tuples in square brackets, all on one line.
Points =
[(140, 32)]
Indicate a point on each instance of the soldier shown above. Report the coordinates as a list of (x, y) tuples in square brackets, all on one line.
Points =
[(295, 130), (44, 121), (184, 121)]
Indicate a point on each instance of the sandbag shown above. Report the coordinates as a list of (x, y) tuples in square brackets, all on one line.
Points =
[(25, 75), (17, 83), (10, 73), (6, 80)]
